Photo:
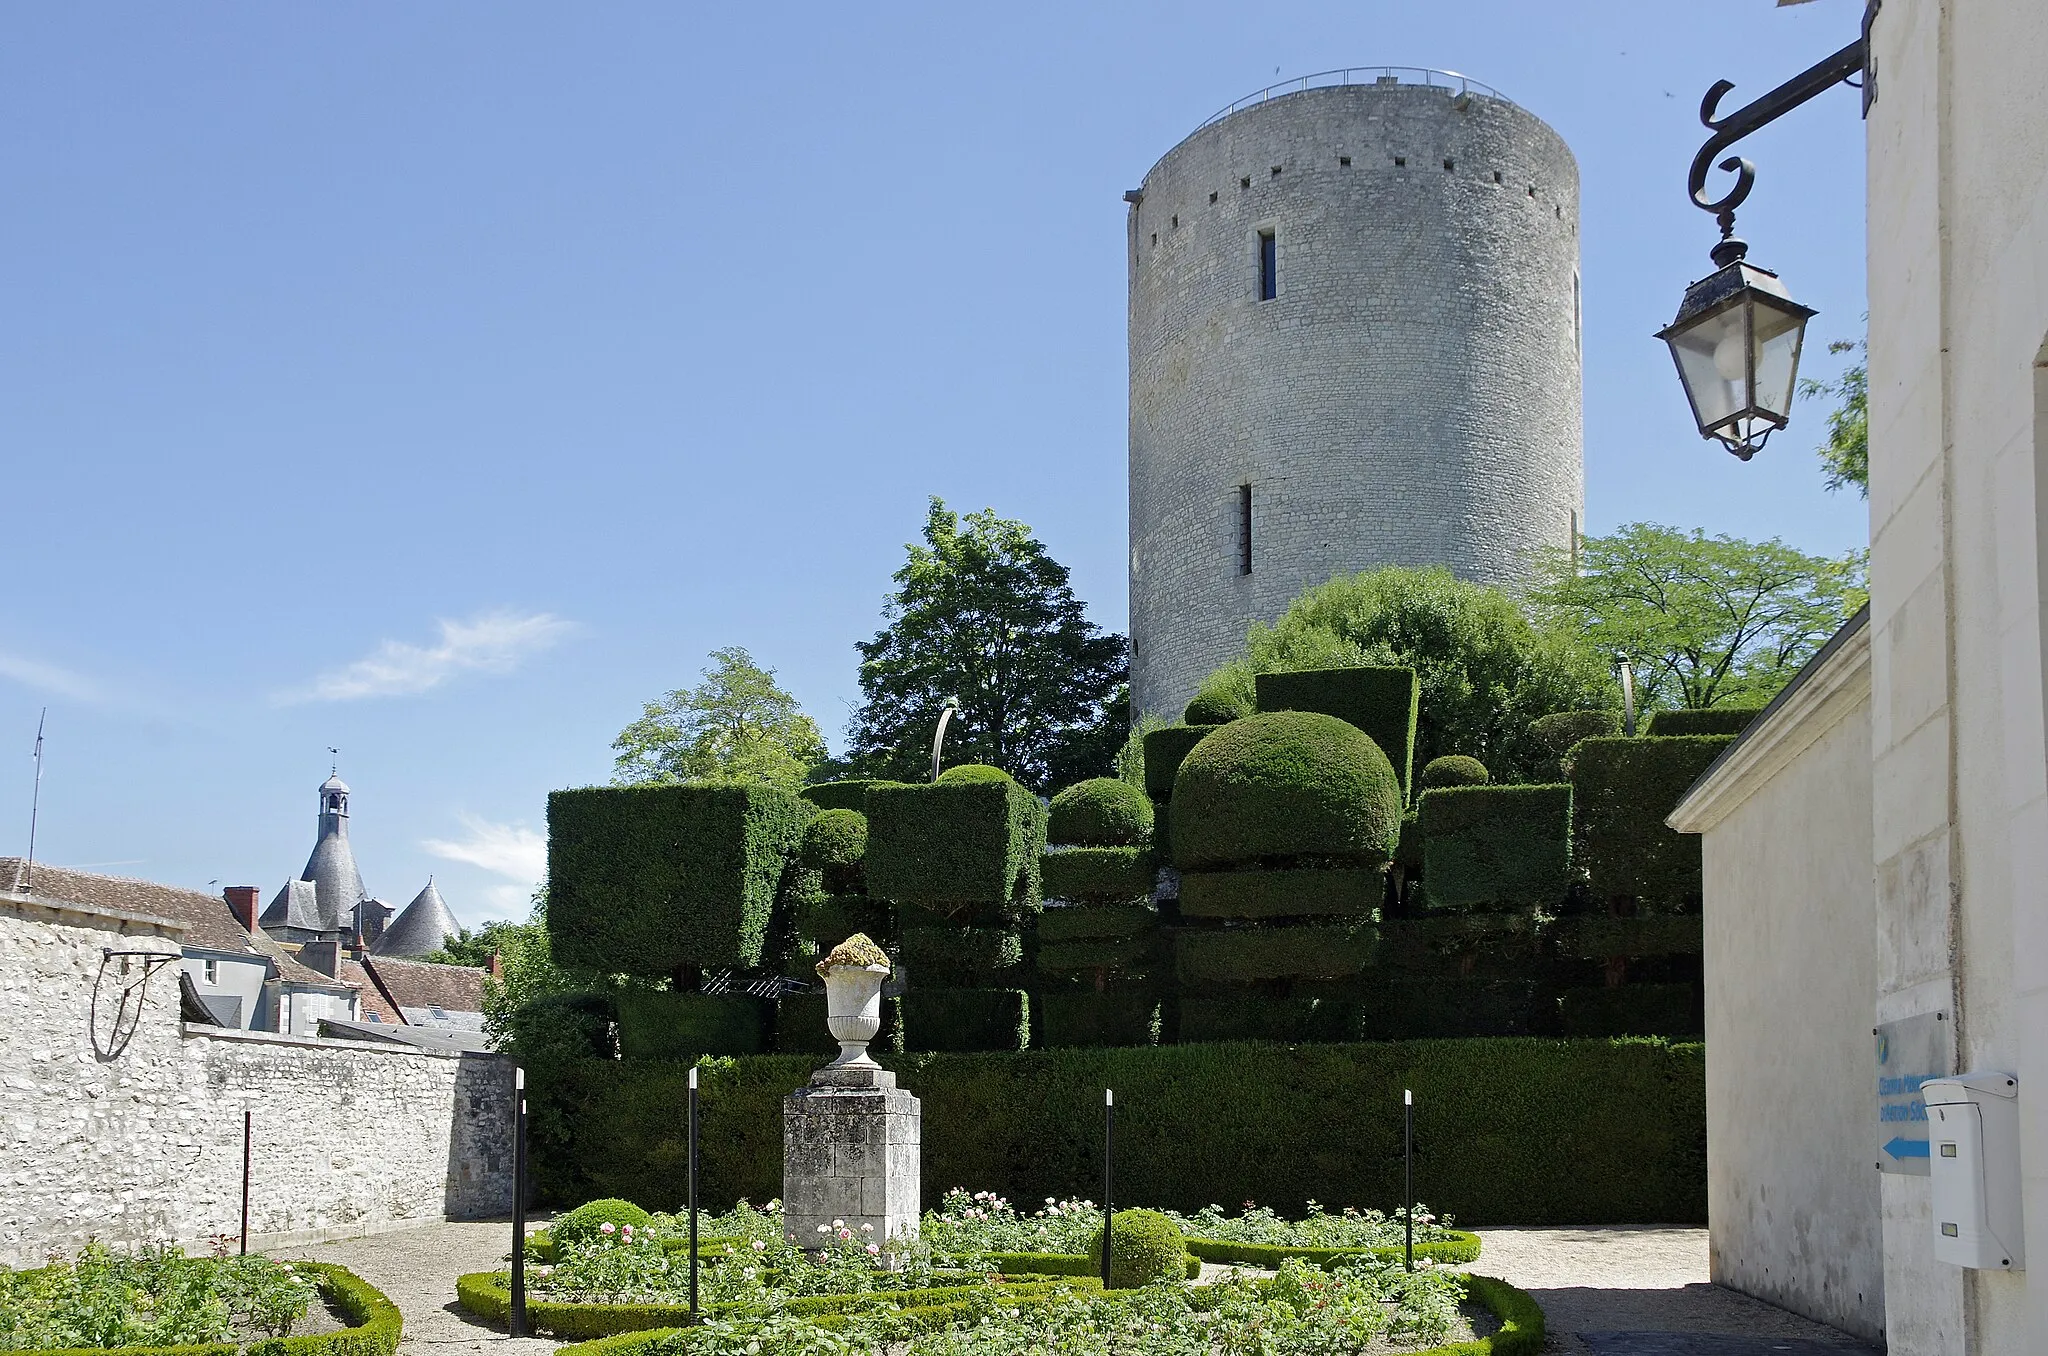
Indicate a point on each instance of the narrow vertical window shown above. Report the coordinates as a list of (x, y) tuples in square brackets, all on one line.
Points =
[(1244, 526), (1269, 274)]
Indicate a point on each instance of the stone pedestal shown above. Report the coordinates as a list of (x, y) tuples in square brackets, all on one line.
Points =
[(850, 1143)]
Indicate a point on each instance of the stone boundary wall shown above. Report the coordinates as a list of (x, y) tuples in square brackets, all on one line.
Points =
[(118, 1121)]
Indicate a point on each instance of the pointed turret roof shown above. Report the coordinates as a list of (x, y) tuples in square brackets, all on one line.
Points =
[(420, 929)]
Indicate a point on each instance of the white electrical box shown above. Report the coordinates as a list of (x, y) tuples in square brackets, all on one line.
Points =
[(1973, 1151)]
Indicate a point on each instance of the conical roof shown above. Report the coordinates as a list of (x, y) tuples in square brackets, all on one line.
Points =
[(420, 929), (332, 869)]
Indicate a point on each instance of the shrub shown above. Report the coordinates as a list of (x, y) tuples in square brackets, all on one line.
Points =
[(1408, 852), (947, 956), (1244, 955), (682, 1026), (1164, 750), (1144, 1246), (1088, 1018), (1455, 769), (644, 879), (1496, 847), (1098, 873), (1596, 937), (1494, 1118), (1632, 1010), (1711, 720), (1288, 784), (1383, 702), (1103, 812), (1216, 707), (1449, 1006), (587, 1221), (565, 1026), (965, 1019), (973, 772), (1621, 791), (375, 1324), (956, 847), (831, 919), (800, 1025), (836, 839), (1554, 735), (1266, 1018), (1094, 953), (1282, 893), (1459, 1249), (847, 795), (1079, 922)]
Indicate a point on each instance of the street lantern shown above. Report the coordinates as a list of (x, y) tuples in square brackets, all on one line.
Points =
[(1736, 342)]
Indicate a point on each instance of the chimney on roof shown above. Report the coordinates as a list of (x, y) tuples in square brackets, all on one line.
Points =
[(324, 956), (242, 904), (497, 965)]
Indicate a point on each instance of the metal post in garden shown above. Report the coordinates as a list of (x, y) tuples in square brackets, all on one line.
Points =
[(516, 1318), (1408, 1177), (693, 1193), (1108, 1173), (247, 1122)]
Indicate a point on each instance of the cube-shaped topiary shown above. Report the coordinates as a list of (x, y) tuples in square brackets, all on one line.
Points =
[(1454, 769), (1383, 702), (1281, 893), (1098, 874), (1164, 749), (644, 879), (1285, 785), (1101, 812), (1621, 791), (835, 846), (1249, 954), (1498, 848), (1556, 733), (965, 1019), (846, 795), (961, 957), (1095, 922), (1710, 720), (1090, 1018), (1144, 1246), (956, 848), (682, 1026)]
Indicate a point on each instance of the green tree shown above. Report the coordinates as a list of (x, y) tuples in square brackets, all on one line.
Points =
[(1706, 621), (1486, 670), (735, 726), (475, 947), (1846, 453), (981, 612)]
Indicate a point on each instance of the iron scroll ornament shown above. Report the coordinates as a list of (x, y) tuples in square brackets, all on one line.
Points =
[(1852, 61)]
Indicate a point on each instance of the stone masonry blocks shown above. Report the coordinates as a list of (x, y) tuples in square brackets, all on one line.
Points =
[(1411, 395), (852, 1154)]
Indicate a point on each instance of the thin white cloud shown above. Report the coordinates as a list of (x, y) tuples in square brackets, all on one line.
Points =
[(491, 642), (510, 850), (58, 682)]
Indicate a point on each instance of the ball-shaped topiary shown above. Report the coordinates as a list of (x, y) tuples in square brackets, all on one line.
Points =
[(1145, 1246), (1216, 707), (974, 772), (1104, 812), (1285, 784), (1455, 769), (836, 838), (587, 1221)]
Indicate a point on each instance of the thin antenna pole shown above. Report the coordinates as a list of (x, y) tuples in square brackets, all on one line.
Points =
[(35, 804)]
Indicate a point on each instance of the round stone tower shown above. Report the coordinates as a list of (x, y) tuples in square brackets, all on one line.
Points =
[(1354, 339)]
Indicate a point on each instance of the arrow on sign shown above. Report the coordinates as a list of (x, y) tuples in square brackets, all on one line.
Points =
[(1901, 1147)]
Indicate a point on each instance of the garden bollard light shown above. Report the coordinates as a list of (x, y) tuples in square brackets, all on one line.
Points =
[(693, 1193), (1108, 1174), (515, 1320), (247, 1121), (1408, 1177)]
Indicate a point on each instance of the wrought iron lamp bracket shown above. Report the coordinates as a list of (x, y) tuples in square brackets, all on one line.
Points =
[(1852, 61)]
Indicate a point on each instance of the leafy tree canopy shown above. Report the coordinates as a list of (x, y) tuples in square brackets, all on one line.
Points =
[(1706, 621), (1846, 453), (735, 726), (982, 613), (1486, 670), (475, 947)]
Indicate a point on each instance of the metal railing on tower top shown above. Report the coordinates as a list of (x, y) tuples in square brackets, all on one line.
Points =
[(1361, 75)]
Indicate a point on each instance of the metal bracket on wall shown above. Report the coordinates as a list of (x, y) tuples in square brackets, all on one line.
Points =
[(121, 1030)]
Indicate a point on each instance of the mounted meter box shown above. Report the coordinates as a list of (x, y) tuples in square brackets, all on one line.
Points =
[(1973, 1131)]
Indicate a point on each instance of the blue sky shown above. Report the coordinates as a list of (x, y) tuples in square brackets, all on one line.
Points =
[(441, 381)]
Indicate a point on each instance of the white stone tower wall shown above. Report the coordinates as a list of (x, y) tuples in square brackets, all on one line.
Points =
[(1411, 395)]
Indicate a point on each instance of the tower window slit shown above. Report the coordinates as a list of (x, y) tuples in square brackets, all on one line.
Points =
[(1244, 529), (1269, 271)]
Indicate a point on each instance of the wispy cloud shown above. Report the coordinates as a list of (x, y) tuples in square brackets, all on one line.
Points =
[(511, 851), (58, 682), (491, 642)]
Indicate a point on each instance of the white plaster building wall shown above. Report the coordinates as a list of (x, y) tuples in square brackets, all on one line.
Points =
[(1793, 1201), (143, 1140), (1411, 395), (234, 976), (1958, 260)]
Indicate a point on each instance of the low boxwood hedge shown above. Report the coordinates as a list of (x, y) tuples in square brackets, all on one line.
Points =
[(1098, 874), (375, 1326), (1286, 892), (1088, 1017), (1457, 1250)]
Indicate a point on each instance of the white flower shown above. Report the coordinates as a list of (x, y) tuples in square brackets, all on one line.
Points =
[(759, 1246), (824, 1228), (867, 1228)]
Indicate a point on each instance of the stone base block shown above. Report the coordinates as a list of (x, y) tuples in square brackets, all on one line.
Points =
[(851, 1153)]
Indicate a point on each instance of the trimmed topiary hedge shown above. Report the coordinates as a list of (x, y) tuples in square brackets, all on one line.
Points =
[(1144, 1246), (1165, 748), (1496, 847), (1556, 733), (1456, 1250), (960, 1020), (1632, 1010), (835, 840), (1103, 812), (1494, 1120), (1383, 702), (1244, 955), (956, 848), (973, 772), (1621, 791), (1094, 953), (375, 1325), (1266, 1018), (1595, 937), (587, 1221), (1282, 893), (1710, 720), (1114, 1017), (800, 1025), (847, 795), (831, 919), (1454, 769), (946, 956), (665, 1025), (1285, 785), (1093, 922), (644, 879), (1098, 874), (1216, 706), (1450, 1005)]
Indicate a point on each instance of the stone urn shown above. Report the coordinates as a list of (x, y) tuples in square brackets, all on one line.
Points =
[(854, 974)]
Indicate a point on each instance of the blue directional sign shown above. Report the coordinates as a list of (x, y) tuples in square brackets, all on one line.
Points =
[(1909, 1052)]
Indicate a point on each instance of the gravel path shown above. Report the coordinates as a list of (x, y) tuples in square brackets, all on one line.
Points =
[(1632, 1292), (417, 1269)]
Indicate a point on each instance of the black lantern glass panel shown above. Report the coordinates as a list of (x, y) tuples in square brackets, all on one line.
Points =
[(1736, 342)]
